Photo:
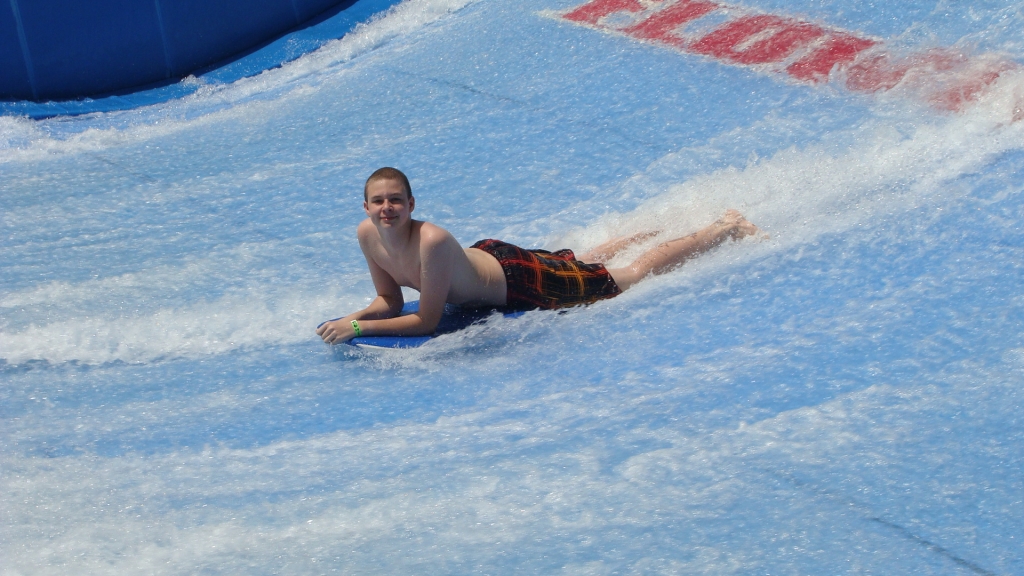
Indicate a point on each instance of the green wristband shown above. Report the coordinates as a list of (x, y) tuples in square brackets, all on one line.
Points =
[(355, 326)]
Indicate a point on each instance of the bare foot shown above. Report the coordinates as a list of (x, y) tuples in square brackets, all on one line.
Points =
[(738, 226)]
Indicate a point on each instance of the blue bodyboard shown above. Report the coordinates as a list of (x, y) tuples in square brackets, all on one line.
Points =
[(455, 318)]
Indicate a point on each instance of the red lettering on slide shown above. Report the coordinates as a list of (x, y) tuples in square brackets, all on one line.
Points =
[(962, 93), (945, 79), (737, 41), (660, 25), (838, 49), (875, 73), (594, 10)]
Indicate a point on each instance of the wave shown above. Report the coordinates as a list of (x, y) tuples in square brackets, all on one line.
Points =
[(253, 295), (892, 162), (886, 165), (795, 196), (257, 318)]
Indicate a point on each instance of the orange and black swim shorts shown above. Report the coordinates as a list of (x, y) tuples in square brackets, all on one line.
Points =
[(542, 279)]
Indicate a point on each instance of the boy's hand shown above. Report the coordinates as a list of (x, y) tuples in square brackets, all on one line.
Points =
[(336, 331)]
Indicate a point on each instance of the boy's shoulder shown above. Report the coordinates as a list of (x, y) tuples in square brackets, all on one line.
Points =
[(366, 232), (432, 233), (423, 231)]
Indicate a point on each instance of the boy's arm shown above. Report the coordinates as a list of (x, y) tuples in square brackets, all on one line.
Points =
[(381, 317), (387, 304)]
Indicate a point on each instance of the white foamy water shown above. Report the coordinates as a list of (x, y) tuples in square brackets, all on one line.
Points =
[(876, 169), (843, 397)]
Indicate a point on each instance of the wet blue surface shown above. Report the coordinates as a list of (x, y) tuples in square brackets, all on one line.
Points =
[(841, 397)]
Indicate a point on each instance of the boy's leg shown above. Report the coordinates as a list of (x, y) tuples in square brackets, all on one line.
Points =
[(668, 255), (609, 249)]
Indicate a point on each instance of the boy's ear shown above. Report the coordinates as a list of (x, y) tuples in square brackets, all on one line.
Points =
[(412, 203)]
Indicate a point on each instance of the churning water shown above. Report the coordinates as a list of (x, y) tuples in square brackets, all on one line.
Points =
[(845, 396)]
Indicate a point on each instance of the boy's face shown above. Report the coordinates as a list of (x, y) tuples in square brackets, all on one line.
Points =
[(387, 203)]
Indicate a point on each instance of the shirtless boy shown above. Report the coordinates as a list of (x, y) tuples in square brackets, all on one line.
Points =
[(401, 251)]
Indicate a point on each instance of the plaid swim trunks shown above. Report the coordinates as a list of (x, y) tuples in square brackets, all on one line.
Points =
[(542, 279)]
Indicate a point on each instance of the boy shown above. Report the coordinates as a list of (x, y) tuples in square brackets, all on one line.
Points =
[(401, 251)]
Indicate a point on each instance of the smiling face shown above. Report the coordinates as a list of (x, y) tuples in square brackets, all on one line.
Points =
[(388, 204)]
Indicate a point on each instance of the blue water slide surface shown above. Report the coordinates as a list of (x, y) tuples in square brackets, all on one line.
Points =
[(842, 394)]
